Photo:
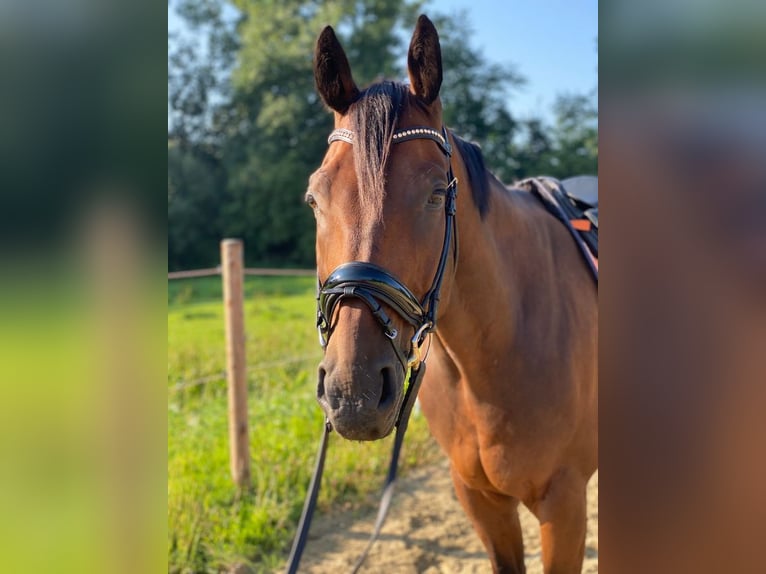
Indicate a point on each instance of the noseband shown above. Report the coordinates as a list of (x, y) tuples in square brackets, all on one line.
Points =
[(376, 287)]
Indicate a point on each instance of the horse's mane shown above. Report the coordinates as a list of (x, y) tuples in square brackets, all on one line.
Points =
[(374, 116), (478, 176)]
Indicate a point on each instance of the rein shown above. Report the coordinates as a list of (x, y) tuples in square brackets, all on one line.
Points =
[(377, 288)]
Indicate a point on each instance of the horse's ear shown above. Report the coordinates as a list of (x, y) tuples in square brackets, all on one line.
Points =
[(424, 61), (332, 72)]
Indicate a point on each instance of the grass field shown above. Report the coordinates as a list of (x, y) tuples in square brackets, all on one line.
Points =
[(210, 526)]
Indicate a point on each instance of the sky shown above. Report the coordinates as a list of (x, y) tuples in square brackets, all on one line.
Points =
[(552, 43)]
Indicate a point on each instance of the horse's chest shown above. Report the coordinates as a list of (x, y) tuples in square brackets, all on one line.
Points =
[(490, 459), (485, 450), (491, 445)]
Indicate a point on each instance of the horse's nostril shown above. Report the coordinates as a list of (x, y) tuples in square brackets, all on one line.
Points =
[(387, 390), (320, 385)]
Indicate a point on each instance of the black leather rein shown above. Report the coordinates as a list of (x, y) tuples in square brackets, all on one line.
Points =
[(379, 290)]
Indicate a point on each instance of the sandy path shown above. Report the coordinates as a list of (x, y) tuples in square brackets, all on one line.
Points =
[(426, 533)]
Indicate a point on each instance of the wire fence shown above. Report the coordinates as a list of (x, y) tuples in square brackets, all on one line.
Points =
[(232, 272), (256, 271), (220, 377)]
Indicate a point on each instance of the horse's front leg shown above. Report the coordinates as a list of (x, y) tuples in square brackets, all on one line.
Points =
[(496, 520), (562, 513)]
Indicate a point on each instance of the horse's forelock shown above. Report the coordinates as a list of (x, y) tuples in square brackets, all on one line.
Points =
[(374, 117)]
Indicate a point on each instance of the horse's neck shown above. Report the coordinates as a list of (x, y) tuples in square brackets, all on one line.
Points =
[(503, 265)]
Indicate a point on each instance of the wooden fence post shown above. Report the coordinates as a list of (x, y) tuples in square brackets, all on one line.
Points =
[(234, 319)]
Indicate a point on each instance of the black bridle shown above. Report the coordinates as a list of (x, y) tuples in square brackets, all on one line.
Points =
[(379, 289)]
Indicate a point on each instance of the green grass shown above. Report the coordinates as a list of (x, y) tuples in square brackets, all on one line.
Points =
[(210, 525)]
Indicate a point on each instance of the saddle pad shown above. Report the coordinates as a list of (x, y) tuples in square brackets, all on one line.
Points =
[(582, 187), (579, 216)]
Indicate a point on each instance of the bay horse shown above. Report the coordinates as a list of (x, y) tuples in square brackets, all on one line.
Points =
[(510, 393)]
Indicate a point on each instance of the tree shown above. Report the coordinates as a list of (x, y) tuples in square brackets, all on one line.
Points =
[(281, 126), (199, 62), (200, 57), (246, 128), (576, 146), (195, 181), (474, 95)]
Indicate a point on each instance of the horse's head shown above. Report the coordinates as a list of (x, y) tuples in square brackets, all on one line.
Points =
[(380, 199)]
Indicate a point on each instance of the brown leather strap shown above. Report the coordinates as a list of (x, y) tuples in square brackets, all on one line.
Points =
[(308, 507), (416, 378)]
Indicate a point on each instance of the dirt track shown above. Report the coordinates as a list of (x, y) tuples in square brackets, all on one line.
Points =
[(426, 533)]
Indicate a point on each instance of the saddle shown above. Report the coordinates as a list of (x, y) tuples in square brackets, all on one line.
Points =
[(574, 202)]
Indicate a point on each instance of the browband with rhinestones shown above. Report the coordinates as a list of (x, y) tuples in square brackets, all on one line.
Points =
[(402, 135)]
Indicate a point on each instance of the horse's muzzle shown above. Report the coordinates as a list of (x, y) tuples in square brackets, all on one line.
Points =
[(361, 402)]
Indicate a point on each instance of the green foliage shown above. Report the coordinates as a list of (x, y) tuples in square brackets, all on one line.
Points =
[(210, 526), (474, 95), (576, 150), (283, 126), (199, 64), (195, 180)]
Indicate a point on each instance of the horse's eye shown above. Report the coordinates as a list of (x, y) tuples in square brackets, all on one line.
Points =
[(436, 199), (310, 201)]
